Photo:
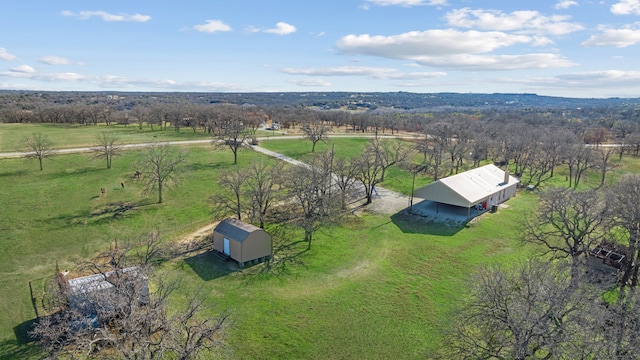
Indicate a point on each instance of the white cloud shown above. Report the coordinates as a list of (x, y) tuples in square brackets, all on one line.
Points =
[(252, 29), (496, 62), (626, 7), (311, 82), (619, 38), (105, 16), (340, 71), (23, 69), (282, 28), (54, 60), (27, 72), (430, 43), (60, 77), (415, 75), (373, 72), (587, 80), (565, 4), (617, 81), (453, 49), (112, 81), (526, 21), (404, 3), (212, 26), (4, 55)]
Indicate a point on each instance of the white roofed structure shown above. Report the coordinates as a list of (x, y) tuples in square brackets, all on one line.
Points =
[(484, 186)]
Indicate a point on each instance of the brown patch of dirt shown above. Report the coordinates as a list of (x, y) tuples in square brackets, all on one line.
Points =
[(198, 235)]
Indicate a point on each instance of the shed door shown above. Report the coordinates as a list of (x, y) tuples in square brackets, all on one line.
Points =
[(226, 246)]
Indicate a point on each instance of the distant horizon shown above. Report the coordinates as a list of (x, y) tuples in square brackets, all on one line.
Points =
[(562, 48), (312, 91)]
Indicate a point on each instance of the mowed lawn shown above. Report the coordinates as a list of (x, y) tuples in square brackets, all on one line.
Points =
[(396, 178), (375, 287), (12, 136)]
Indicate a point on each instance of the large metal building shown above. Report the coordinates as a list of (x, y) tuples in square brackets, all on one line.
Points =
[(242, 242), (480, 188)]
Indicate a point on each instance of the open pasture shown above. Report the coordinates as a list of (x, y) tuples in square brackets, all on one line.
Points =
[(375, 287)]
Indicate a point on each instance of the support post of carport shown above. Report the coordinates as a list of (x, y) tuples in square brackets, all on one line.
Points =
[(469, 213)]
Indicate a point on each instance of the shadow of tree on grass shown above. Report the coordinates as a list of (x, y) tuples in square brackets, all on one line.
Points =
[(24, 346)]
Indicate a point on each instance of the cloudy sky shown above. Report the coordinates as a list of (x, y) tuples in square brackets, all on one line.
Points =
[(575, 48)]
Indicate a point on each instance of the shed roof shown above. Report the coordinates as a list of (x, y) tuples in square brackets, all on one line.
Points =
[(468, 188), (97, 282), (235, 229)]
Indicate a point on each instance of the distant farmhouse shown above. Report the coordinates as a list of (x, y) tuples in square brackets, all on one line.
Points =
[(242, 242), (480, 189)]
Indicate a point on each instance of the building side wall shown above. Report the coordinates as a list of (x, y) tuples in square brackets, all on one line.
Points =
[(257, 245), (507, 192), (218, 244), (235, 250)]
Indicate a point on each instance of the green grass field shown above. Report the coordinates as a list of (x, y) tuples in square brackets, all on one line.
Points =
[(69, 136), (396, 179), (375, 287)]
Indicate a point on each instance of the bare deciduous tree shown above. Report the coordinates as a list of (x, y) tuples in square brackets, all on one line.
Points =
[(390, 153), (569, 223), (578, 159), (626, 215), (141, 114), (369, 171), (314, 129), (39, 147), (263, 184), (433, 160), (313, 203), (345, 174), (231, 199), (161, 166), (603, 162), (228, 129), (530, 312), (106, 147), (119, 316)]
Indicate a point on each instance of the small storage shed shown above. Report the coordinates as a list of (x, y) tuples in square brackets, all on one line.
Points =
[(483, 188), (242, 242)]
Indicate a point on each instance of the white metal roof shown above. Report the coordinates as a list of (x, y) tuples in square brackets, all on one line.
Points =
[(468, 188), (96, 282)]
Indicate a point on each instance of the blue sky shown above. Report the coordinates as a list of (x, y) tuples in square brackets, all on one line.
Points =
[(573, 48)]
